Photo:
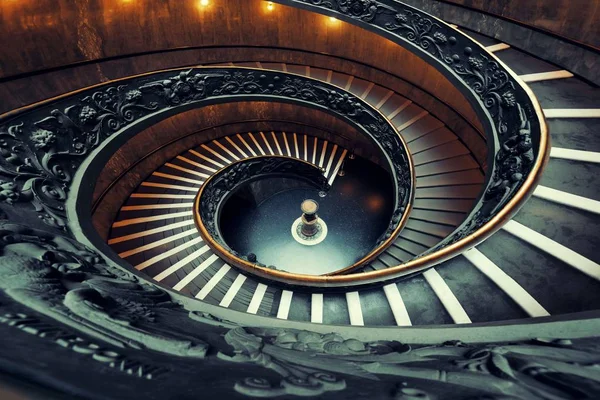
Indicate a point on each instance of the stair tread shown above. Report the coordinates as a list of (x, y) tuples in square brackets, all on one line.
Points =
[(565, 93), (410, 247), (469, 177), (420, 237), (482, 299), (442, 152), (457, 192), (392, 104), (422, 127), (406, 115), (558, 287), (448, 218), (431, 228), (457, 205), (399, 254), (460, 163), (523, 63), (432, 139)]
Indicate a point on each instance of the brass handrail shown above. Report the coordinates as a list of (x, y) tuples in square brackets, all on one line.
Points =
[(213, 238), (459, 57)]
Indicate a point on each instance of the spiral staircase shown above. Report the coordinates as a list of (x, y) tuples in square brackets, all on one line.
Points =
[(484, 282)]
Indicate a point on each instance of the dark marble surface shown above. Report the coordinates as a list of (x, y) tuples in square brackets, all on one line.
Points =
[(576, 134), (523, 63), (575, 177), (478, 295), (422, 304), (300, 307), (566, 93), (576, 229), (335, 309), (356, 210), (484, 40), (375, 308), (558, 287)]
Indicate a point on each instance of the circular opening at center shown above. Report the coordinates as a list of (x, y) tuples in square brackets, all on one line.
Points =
[(265, 218)]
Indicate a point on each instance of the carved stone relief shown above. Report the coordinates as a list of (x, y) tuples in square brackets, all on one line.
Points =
[(86, 298)]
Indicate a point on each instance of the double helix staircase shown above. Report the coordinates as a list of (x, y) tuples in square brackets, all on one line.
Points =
[(489, 286), (154, 230), (504, 278)]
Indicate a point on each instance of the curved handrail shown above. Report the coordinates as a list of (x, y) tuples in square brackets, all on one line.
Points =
[(47, 144), (512, 117)]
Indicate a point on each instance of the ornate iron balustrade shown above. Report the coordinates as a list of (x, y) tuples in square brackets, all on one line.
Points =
[(44, 146), (514, 124), (52, 151)]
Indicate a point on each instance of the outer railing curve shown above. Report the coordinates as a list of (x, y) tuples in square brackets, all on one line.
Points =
[(512, 118)]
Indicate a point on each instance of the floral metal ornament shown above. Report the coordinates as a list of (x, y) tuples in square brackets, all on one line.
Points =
[(41, 150)]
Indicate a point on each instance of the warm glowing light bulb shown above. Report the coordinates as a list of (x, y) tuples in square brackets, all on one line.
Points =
[(332, 19), (270, 5), (203, 3)]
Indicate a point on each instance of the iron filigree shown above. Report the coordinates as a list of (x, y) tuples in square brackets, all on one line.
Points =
[(514, 122), (41, 149)]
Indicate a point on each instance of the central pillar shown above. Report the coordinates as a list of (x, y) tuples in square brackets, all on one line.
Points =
[(310, 219), (309, 229)]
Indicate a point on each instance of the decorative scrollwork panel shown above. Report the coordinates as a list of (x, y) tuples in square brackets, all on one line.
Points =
[(42, 148)]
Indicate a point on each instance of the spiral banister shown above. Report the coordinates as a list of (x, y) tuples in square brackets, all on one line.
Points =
[(511, 115), (62, 284)]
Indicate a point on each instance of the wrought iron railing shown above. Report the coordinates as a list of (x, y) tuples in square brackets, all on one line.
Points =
[(77, 311), (50, 150), (514, 124), (54, 150)]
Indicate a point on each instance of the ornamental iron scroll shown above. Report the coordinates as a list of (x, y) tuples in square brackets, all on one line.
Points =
[(516, 131), (219, 187), (43, 146)]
